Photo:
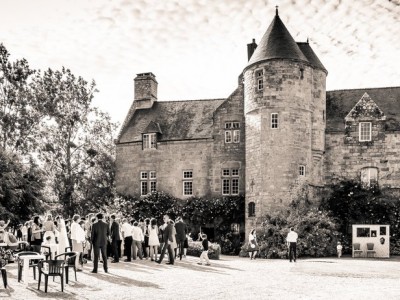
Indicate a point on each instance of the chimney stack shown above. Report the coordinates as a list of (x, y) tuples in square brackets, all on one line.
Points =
[(145, 90), (250, 49)]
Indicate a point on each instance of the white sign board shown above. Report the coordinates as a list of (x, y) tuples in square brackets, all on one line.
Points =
[(378, 235)]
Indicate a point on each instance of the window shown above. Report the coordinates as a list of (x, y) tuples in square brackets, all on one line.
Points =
[(362, 232), (230, 181), (188, 183), (302, 170), (365, 132), (274, 120), (149, 141), (252, 209), (232, 132), (369, 176), (260, 80), (148, 182)]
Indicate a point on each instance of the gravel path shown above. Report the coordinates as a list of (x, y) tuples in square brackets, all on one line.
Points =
[(228, 278)]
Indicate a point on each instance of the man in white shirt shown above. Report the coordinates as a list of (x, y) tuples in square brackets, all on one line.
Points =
[(126, 231), (138, 238), (291, 241)]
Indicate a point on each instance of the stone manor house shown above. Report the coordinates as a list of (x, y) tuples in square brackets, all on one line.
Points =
[(279, 127)]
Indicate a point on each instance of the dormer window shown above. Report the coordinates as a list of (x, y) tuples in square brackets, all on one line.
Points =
[(260, 80), (365, 131), (149, 141)]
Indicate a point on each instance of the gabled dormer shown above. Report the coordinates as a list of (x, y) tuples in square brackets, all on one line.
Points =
[(150, 135), (365, 122)]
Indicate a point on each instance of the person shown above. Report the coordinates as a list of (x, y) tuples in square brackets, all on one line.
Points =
[(77, 237), (204, 254), (4, 225), (99, 238), (63, 241), (49, 228), (19, 232), (153, 239), (186, 244), (126, 231), (115, 238), (145, 229), (181, 230), (168, 240), (36, 238), (88, 230), (24, 230), (174, 244), (339, 248), (291, 241), (137, 239), (253, 246), (68, 228)]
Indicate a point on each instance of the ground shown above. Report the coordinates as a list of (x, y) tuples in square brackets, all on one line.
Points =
[(227, 278)]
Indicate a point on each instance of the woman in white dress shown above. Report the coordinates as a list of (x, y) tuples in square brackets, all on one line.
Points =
[(63, 241), (49, 230), (153, 239)]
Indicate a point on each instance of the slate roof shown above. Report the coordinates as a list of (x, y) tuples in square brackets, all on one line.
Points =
[(177, 120), (339, 103), (311, 56), (277, 43)]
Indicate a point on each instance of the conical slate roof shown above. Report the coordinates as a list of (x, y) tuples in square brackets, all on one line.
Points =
[(277, 43), (311, 56)]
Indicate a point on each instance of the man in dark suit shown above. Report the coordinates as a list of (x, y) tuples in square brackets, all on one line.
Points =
[(181, 231), (168, 239), (100, 234), (115, 239)]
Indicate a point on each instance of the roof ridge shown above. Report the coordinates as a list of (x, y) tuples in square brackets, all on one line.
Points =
[(214, 99), (367, 88)]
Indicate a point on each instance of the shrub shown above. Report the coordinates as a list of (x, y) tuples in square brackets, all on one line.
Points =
[(196, 248)]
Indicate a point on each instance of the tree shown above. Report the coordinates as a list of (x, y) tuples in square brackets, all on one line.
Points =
[(21, 188), (20, 112), (66, 150)]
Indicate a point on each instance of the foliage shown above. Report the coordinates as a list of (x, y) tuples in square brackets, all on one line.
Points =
[(196, 248), (353, 203), (20, 188), (20, 112)]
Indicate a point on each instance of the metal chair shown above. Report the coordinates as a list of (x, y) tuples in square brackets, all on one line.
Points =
[(51, 268), (370, 249), (357, 250), (69, 260), (32, 263)]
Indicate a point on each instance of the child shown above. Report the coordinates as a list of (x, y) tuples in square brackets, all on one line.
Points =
[(339, 248), (204, 254)]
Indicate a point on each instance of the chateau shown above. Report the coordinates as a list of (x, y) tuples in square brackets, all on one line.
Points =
[(278, 129)]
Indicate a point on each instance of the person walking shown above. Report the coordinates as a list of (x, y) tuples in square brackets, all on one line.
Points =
[(181, 230), (291, 241), (153, 239), (99, 237), (253, 246), (115, 238), (168, 240), (204, 254), (126, 232)]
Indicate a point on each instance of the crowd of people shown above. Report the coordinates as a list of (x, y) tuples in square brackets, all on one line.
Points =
[(110, 235)]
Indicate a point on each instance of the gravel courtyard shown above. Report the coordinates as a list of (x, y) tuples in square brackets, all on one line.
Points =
[(228, 278)]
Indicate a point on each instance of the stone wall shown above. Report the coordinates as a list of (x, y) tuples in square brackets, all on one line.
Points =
[(228, 155), (345, 156), (169, 161)]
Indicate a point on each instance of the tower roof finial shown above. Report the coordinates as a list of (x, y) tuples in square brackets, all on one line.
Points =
[(276, 10)]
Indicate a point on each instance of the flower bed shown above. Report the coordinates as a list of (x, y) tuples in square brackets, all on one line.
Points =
[(195, 249)]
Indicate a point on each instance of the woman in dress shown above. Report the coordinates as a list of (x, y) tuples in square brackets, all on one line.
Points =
[(253, 246), (153, 239), (62, 237), (174, 244), (78, 237), (49, 229), (146, 237)]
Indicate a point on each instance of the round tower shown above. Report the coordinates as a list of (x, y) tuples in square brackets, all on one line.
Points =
[(284, 101)]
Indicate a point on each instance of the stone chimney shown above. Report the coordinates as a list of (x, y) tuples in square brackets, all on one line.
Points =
[(251, 48), (145, 90)]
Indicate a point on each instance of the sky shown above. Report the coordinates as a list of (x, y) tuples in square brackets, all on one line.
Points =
[(197, 48)]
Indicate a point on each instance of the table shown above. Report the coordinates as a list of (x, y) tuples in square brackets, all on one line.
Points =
[(53, 249), (25, 269)]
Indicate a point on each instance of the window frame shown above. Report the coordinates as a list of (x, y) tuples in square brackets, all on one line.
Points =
[(369, 175), (251, 207), (149, 141), (230, 181), (274, 120), (360, 132), (184, 187), (302, 170), (232, 132), (142, 192), (259, 80)]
